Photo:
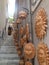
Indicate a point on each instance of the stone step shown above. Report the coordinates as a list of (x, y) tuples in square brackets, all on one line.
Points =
[(9, 61), (8, 49), (8, 53), (1, 42), (9, 56)]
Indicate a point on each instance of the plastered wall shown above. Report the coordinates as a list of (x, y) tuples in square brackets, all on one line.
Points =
[(45, 5), (2, 13)]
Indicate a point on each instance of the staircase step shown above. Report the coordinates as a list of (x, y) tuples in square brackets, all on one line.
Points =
[(8, 55), (9, 61), (8, 49)]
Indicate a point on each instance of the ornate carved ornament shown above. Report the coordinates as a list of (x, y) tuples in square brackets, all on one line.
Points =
[(29, 51), (41, 23), (43, 54)]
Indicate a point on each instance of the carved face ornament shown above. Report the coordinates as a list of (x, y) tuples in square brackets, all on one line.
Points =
[(22, 14), (28, 63), (41, 23), (29, 50), (42, 54)]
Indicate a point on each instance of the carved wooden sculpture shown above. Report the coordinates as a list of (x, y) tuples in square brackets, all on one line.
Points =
[(17, 46), (28, 63), (43, 54), (21, 62), (14, 25), (22, 14), (29, 51), (41, 23), (19, 52), (23, 40), (21, 30), (18, 21), (25, 37), (27, 31), (15, 35)]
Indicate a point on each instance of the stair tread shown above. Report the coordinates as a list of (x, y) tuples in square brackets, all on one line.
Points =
[(9, 61), (8, 53), (8, 49)]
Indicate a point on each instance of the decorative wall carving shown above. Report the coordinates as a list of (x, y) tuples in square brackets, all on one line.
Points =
[(41, 23), (43, 54), (29, 51)]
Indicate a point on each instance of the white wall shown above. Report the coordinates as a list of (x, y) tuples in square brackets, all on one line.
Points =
[(2, 13)]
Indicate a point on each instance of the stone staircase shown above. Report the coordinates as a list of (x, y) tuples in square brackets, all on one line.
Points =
[(8, 53)]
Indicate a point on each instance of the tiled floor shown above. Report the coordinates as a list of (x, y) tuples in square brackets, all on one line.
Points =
[(8, 54)]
